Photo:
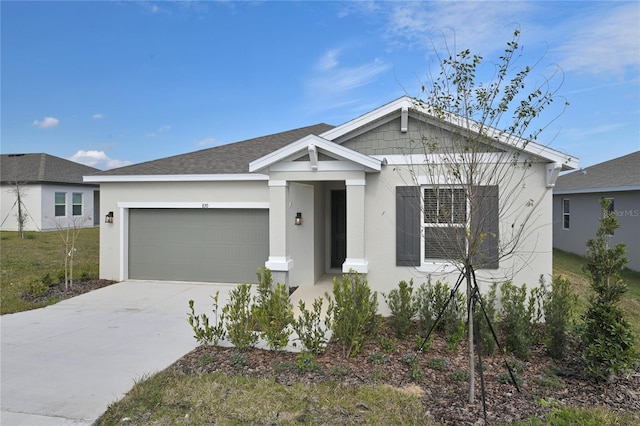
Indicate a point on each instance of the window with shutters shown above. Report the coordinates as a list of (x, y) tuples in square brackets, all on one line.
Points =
[(445, 217)]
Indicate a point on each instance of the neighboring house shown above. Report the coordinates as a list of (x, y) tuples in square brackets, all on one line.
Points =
[(305, 203), (576, 205), (52, 190)]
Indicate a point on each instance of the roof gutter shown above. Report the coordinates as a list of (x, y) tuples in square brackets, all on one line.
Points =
[(176, 178)]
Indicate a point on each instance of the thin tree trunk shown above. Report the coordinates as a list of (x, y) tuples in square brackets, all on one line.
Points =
[(470, 335)]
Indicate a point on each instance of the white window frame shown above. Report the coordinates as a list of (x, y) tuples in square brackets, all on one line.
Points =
[(74, 204), (56, 204), (424, 225), (566, 214)]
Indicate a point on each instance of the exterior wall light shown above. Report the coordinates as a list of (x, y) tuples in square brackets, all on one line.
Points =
[(108, 218), (299, 218)]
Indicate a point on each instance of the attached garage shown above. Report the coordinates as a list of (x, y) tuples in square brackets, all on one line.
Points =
[(206, 245)]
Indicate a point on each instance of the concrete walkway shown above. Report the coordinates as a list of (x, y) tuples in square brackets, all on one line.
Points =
[(64, 364)]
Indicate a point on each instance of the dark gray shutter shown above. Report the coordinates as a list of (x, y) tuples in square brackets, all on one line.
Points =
[(408, 226), (484, 221)]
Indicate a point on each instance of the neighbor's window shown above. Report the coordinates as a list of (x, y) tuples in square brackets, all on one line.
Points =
[(76, 204), (445, 218), (60, 204), (565, 213)]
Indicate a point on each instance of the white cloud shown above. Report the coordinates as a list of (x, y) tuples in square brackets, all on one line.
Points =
[(332, 82), (479, 26), (97, 116), (47, 123), (97, 159), (607, 41), (162, 129), (205, 142)]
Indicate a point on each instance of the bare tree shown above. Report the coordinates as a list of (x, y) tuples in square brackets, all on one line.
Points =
[(69, 236), (20, 193), (472, 173)]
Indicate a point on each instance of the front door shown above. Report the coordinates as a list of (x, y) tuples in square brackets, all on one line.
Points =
[(338, 227)]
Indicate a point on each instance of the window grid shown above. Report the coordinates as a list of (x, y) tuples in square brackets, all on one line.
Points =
[(445, 216), (566, 214), (60, 202), (76, 204)]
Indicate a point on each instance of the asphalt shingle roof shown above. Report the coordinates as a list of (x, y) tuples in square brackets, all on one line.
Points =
[(224, 159), (43, 168), (621, 171)]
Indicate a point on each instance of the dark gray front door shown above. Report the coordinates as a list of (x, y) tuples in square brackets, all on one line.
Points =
[(338, 227)]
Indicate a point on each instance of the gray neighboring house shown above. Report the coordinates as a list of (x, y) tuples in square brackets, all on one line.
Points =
[(576, 205), (312, 201), (53, 192)]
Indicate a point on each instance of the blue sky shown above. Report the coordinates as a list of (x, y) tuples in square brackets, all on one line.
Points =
[(109, 83)]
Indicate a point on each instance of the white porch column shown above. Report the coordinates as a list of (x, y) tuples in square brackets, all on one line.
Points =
[(355, 227), (280, 261)]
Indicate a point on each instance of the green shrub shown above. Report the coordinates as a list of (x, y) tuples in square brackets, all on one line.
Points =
[(306, 362), (37, 288), (607, 338), (460, 376), (455, 337), (308, 326), (484, 335), (46, 279), (203, 332), (273, 311), (515, 324), (351, 313), (431, 301), (438, 364), (60, 275), (378, 358), (239, 360), (404, 307), (239, 321), (558, 309)]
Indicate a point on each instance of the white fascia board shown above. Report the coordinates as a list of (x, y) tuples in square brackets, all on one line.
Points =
[(294, 148), (568, 162), (597, 190), (192, 205), (177, 178), (367, 118)]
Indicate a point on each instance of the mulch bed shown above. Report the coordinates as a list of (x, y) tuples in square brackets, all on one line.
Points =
[(545, 382), (59, 292)]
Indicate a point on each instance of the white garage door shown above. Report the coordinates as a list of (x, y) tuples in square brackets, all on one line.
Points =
[(209, 245)]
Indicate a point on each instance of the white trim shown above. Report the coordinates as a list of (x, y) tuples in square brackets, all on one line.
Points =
[(597, 190), (177, 178), (360, 266), (438, 268), (290, 151), (503, 138), (279, 263), (124, 243), (355, 182), (192, 205), (322, 166), (553, 170), (278, 183), (313, 156)]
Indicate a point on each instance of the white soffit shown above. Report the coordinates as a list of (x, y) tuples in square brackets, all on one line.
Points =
[(176, 178)]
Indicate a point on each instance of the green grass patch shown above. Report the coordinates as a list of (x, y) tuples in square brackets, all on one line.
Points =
[(173, 398), (571, 265), (571, 416), (25, 261)]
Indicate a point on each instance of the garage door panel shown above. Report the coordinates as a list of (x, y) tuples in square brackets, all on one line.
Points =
[(211, 245)]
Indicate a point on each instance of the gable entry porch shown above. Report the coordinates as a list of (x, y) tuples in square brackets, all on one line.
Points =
[(316, 210)]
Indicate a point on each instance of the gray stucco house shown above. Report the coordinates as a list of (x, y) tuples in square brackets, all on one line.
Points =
[(53, 192), (313, 201), (576, 205)]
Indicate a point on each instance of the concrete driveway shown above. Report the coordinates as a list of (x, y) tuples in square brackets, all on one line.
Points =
[(64, 364)]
